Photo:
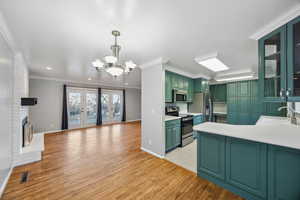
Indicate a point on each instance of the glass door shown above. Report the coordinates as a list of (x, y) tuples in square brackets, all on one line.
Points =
[(82, 107), (293, 60), (273, 65), (112, 106)]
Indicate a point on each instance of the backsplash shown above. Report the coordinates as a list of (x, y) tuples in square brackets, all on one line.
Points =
[(183, 107)]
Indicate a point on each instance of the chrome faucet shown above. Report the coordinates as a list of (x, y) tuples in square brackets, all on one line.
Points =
[(292, 112)]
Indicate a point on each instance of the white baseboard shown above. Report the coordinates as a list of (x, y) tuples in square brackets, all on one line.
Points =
[(134, 120), (151, 152), (57, 131), (49, 132), (2, 187)]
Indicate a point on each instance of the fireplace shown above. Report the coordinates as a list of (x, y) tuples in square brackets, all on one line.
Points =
[(27, 132)]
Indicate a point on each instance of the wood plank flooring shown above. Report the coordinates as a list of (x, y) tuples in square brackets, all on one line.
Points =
[(106, 163)]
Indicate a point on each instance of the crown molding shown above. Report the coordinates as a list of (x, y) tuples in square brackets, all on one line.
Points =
[(184, 73), (280, 21), (83, 83), (155, 62)]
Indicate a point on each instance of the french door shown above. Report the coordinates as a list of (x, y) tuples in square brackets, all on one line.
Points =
[(82, 107), (112, 106)]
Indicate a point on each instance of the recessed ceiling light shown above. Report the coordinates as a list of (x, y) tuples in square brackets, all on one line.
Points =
[(49, 68), (212, 63), (126, 83), (89, 78)]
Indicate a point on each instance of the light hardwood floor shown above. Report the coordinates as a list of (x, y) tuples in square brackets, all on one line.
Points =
[(106, 163)]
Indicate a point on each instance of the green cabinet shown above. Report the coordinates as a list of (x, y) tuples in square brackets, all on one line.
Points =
[(279, 63), (190, 94), (246, 166), (198, 119), (253, 170), (200, 85), (211, 155), (168, 87), (283, 173), (179, 82), (218, 92), (293, 60), (272, 65), (172, 134)]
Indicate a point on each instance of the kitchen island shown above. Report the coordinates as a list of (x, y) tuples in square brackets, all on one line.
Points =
[(257, 162)]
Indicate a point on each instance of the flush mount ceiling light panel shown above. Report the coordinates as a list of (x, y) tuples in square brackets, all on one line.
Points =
[(235, 78), (111, 64), (212, 63)]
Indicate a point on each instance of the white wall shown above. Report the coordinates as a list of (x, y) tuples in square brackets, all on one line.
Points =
[(21, 89), (13, 86), (153, 139), (46, 115), (6, 104)]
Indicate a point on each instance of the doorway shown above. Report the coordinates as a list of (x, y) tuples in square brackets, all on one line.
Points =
[(112, 106), (82, 107)]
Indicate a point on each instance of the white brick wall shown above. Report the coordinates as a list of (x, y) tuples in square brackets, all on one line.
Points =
[(21, 85)]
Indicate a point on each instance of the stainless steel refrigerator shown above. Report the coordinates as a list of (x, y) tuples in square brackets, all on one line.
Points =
[(202, 103)]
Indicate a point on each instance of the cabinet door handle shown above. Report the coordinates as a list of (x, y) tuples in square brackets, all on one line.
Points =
[(281, 92), (288, 92)]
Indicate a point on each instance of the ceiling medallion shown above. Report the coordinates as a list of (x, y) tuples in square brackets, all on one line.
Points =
[(111, 64)]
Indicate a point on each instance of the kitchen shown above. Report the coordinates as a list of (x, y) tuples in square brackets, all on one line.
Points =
[(242, 116)]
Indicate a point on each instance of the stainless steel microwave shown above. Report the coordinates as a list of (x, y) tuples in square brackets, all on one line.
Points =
[(179, 95)]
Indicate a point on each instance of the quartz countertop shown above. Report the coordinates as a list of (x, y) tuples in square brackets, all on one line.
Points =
[(169, 117), (270, 130), (220, 113), (189, 113)]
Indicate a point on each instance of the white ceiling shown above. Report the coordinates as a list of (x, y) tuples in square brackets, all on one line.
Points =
[(69, 34)]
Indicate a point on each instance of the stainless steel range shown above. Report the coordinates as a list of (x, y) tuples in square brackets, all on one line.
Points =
[(186, 129), (186, 125)]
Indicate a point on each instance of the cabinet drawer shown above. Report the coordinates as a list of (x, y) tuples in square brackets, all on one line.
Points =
[(175, 122), (198, 119)]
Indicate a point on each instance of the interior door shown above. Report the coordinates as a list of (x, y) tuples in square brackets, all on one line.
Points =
[(82, 107), (112, 106)]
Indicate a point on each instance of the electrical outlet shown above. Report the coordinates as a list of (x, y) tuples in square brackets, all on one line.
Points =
[(149, 142)]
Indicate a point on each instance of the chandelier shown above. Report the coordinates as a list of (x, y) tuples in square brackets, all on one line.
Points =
[(111, 64)]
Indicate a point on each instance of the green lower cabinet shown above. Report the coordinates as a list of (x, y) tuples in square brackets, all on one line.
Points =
[(198, 119), (168, 133), (253, 170), (283, 173), (172, 134), (246, 166), (177, 137), (211, 155)]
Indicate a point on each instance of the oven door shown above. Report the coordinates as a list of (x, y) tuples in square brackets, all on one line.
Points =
[(186, 128)]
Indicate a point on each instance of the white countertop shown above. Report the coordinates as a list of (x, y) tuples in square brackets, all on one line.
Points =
[(221, 113), (188, 113), (168, 117), (270, 130)]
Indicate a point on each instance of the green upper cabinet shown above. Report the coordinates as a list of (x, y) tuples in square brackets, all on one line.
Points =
[(293, 60), (190, 93), (179, 82), (168, 87), (272, 65), (218, 92), (279, 63), (200, 85)]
